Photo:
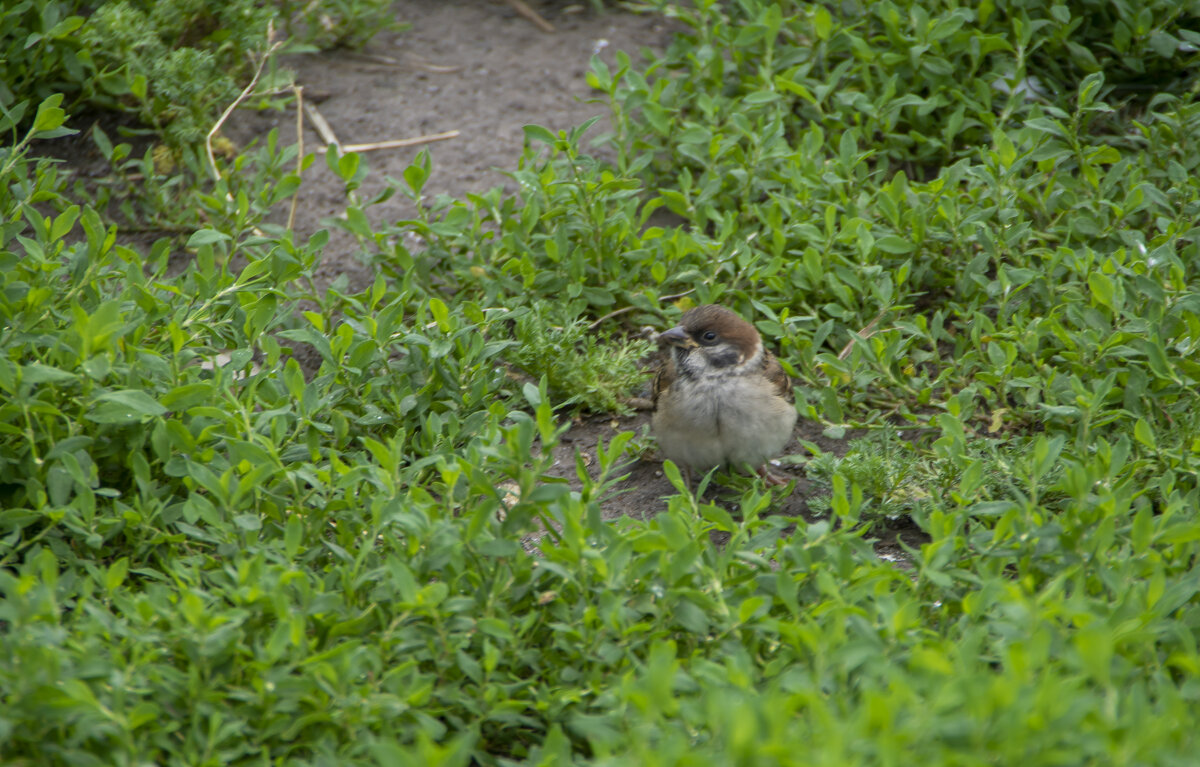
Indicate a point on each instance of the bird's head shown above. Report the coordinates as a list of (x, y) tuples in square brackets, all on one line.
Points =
[(711, 338)]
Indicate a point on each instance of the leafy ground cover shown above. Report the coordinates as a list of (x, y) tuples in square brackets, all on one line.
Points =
[(976, 225)]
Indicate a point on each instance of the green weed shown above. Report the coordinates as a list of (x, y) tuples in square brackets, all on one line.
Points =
[(582, 365)]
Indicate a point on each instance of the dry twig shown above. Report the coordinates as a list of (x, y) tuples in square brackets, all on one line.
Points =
[(429, 66), (520, 7), (318, 121), (299, 90), (630, 308), (413, 60), (375, 57), (861, 335), (208, 140), (400, 142)]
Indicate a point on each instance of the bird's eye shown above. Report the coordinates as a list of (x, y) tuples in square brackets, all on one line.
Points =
[(709, 336)]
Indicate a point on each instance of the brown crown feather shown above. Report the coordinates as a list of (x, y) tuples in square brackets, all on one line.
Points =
[(725, 322)]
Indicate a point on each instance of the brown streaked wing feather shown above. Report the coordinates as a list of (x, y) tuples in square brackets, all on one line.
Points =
[(773, 372), (662, 381)]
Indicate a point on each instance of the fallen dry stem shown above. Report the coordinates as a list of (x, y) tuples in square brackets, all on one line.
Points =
[(299, 91), (413, 61), (208, 147), (401, 142), (631, 307), (375, 57), (520, 7), (429, 66), (322, 126), (861, 335)]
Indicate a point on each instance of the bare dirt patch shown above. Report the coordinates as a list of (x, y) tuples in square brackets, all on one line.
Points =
[(476, 67)]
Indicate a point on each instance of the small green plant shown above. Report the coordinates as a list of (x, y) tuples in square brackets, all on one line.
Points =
[(884, 468), (40, 53), (585, 367), (337, 23)]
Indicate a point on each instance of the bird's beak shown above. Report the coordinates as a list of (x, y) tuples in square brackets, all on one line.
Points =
[(676, 336)]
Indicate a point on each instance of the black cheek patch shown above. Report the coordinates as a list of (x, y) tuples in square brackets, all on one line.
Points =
[(723, 357)]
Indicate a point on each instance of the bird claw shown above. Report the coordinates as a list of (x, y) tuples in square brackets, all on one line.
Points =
[(770, 478)]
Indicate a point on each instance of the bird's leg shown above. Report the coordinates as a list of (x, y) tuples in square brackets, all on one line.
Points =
[(770, 478)]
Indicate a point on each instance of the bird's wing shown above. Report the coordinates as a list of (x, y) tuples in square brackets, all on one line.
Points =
[(663, 380), (779, 380)]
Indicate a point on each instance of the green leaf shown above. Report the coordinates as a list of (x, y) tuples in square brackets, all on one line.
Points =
[(501, 547), (749, 607), (671, 471), (49, 116), (532, 395), (441, 315), (1144, 434), (1093, 82), (37, 373), (1006, 153), (356, 221), (346, 165), (125, 406), (207, 237), (64, 222), (822, 22), (416, 174), (760, 97), (293, 535), (1102, 288), (116, 574), (139, 86), (248, 522), (538, 133), (894, 245), (65, 27)]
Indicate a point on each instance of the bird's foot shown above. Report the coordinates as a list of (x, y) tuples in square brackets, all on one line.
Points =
[(770, 478)]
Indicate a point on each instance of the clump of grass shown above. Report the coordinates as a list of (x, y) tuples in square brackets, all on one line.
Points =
[(888, 470), (899, 478), (583, 367)]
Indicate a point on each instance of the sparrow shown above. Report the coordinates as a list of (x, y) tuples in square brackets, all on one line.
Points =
[(722, 399)]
